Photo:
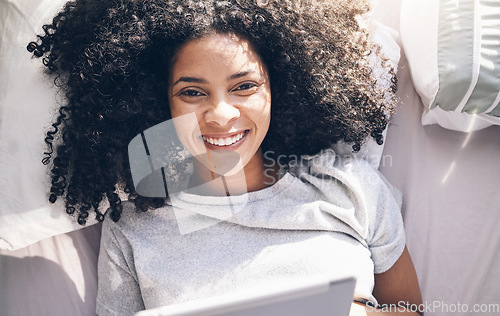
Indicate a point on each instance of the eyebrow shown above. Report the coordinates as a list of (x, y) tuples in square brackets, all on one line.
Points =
[(199, 80), (189, 79), (241, 74)]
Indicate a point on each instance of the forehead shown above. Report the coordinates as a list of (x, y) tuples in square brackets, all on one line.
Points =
[(217, 52)]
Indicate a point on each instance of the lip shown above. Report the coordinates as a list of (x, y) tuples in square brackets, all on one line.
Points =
[(233, 146)]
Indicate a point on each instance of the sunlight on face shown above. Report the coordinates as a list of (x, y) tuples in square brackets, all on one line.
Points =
[(223, 81)]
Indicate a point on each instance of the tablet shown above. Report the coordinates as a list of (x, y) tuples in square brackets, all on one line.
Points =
[(311, 296)]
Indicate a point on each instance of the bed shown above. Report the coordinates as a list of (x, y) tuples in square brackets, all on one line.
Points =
[(450, 181)]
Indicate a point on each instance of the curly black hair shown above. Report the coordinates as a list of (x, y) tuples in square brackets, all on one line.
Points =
[(112, 58)]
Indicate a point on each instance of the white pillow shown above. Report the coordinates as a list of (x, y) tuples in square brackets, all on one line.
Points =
[(453, 49), (27, 105)]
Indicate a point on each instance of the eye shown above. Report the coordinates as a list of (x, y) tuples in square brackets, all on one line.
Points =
[(245, 87), (191, 93)]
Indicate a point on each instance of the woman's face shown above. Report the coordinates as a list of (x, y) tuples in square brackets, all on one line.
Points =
[(220, 80)]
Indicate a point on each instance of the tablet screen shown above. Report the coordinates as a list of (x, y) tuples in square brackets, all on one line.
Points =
[(311, 296)]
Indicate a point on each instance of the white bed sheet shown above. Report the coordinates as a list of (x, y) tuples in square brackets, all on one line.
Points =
[(451, 186), (54, 277)]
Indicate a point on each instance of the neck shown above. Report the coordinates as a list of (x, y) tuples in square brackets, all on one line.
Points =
[(254, 176)]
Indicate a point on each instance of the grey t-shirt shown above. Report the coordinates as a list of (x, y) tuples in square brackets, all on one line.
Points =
[(332, 215)]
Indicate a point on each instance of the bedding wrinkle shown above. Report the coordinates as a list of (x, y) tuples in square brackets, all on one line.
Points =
[(23, 299), (55, 277)]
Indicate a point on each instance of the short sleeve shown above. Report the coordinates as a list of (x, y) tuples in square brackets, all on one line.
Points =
[(386, 233), (377, 221), (118, 289)]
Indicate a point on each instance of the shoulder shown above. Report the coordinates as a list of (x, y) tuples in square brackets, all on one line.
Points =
[(354, 174), (376, 202), (369, 202), (127, 218), (134, 221)]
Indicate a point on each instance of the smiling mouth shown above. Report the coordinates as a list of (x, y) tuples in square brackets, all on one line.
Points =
[(224, 141)]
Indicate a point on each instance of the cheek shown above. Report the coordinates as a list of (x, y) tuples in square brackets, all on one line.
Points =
[(261, 103), (189, 113), (262, 117), (266, 123), (266, 110), (175, 109)]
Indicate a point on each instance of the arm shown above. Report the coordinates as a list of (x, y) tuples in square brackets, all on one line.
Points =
[(398, 284), (118, 289)]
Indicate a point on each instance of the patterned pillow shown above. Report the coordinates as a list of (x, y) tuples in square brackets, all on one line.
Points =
[(453, 49)]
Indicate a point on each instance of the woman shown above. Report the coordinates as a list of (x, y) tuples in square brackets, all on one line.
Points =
[(257, 91)]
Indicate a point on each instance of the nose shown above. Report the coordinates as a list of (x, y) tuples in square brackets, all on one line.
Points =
[(221, 111)]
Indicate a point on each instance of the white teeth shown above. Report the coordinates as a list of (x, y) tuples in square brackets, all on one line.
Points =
[(224, 141)]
